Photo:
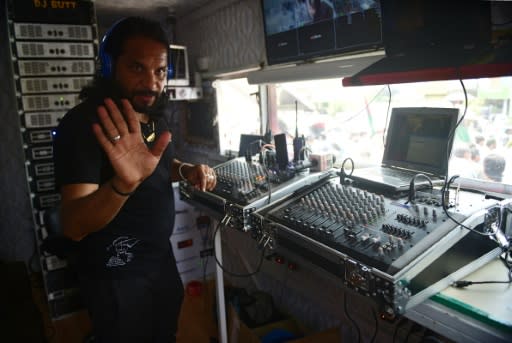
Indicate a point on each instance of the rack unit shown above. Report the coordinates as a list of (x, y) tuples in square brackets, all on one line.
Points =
[(53, 45)]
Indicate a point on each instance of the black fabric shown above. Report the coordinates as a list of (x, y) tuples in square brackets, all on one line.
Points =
[(142, 309), (138, 237)]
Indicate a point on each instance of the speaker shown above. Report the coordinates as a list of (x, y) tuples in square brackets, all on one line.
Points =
[(281, 150), (105, 59)]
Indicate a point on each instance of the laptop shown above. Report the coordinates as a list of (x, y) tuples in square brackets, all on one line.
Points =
[(418, 141)]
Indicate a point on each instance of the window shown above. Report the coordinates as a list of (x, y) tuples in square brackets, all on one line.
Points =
[(352, 121), (238, 112)]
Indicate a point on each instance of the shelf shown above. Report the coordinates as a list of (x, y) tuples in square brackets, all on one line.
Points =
[(434, 67)]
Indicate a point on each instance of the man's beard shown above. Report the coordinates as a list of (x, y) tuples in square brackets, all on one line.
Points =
[(102, 88), (155, 110), (144, 108)]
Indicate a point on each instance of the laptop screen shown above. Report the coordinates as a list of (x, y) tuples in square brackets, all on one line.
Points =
[(417, 139)]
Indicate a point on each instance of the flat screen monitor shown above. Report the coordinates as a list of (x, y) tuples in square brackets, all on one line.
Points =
[(179, 63), (297, 30), (435, 26), (419, 138)]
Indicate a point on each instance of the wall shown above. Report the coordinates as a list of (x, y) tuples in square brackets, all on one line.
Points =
[(228, 32), (17, 240)]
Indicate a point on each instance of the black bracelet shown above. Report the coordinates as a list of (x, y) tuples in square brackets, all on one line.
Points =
[(117, 191)]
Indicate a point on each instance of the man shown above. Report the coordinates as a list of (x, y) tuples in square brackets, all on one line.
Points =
[(114, 167), (493, 168)]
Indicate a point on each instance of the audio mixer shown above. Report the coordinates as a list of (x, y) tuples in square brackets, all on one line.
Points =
[(243, 187), (396, 252)]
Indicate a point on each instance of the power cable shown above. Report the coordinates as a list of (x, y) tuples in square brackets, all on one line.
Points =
[(223, 223), (354, 323)]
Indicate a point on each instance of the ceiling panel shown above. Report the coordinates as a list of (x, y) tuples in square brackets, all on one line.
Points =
[(179, 7)]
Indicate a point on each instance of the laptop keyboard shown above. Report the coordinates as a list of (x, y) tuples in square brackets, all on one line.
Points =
[(397, 173)]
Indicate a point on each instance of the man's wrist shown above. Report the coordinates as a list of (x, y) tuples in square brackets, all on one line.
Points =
[(120, 190)]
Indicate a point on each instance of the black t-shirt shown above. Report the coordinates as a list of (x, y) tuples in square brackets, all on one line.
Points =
[(136, 241)]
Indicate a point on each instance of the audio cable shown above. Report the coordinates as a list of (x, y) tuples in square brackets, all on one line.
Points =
[(412, 187), (264, 164), (222, 224), (354, 323), (343, 173), (444, 205), (507, 261), (500, 238)]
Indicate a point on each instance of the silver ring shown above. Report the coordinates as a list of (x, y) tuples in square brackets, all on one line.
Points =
[(115, 138)]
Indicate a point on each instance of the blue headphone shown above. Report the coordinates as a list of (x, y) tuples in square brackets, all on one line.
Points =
[(106, 64)]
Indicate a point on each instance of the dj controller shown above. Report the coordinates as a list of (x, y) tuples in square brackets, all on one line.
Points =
[(396, 250), (244, 186)]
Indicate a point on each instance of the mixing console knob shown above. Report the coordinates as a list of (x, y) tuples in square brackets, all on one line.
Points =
[(364, 218), (379, 212), (329, 234), (425, 211), (434, 214), (365, 237), (380, 251), (400, 243)]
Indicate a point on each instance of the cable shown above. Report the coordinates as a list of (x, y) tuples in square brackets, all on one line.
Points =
[(412, 187), (401, 321), (364, 108), (343, 174), (505, 258), (263, 155), (465, 283), (387, 115), (349, 317), (452, 132), (445, 209), (224, 222), (284, 282), (411, 330), (204, 226), (447, 183), (376, 325), (451, 135)]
